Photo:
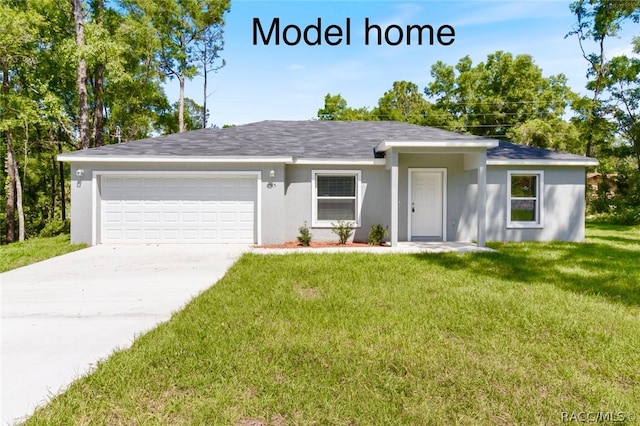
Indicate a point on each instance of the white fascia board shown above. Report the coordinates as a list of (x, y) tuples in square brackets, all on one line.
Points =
[(338, 162), (387, 145), (583, 162), (169, 159)]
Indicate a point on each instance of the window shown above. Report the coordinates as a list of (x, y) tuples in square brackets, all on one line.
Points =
[(336, 195), (524, 203)]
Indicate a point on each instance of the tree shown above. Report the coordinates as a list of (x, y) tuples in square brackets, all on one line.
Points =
[(403, 102), (179, 27), (597, 20), (622, 83), (555, 134), (40, 112), (83, 103), (18, 41), (169, 123), (490, 98), (335, 108), (209, 52)]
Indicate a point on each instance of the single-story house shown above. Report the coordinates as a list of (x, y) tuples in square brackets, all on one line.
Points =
[(258, 183)]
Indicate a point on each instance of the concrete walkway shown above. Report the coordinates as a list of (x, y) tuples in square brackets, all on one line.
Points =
[(60, 316)]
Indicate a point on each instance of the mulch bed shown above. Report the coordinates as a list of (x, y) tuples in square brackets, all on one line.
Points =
[(315, 244)]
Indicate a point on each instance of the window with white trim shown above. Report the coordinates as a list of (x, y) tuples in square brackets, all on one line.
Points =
[(336, 196), (524, 198)]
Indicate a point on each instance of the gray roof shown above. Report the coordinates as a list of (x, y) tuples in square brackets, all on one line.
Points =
[(302, 139), (512, 151)]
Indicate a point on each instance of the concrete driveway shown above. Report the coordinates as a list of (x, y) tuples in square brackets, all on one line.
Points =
[(60, 316)]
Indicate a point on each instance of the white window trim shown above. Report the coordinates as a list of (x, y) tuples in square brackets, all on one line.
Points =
[(540, 198), (314, 197)]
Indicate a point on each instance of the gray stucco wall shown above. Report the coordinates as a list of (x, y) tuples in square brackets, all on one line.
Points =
[(285, 206), (564, 206), (271, 205), (375, 190)]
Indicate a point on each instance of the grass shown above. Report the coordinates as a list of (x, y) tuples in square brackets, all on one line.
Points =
[(516, 337), (16, 255)]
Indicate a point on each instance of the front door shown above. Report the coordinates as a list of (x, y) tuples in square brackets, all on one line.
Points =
[(426, 205)]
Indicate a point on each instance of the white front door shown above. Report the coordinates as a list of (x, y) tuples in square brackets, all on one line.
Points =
[(426, 205)]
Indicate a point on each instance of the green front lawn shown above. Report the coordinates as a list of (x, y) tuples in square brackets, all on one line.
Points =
[(34, 250), (528, 335)]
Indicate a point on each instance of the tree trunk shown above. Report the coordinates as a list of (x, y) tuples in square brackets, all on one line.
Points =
[(83, 107), (98, 113), (181, 127), (98, 85), (10, 202), (14, 194), (19, 201), (10, 205), (63, 197), (599, 69), (204, 91)]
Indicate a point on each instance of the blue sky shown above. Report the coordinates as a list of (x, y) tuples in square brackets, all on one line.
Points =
[(289, 82)]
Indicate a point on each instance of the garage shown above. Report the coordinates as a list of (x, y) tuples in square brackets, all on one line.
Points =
[(196, 208)]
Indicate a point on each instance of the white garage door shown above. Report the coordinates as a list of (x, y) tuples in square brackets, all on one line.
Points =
[(178, 209)]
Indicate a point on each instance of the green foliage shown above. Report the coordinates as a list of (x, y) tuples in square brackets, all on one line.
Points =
[(553, 133), (343, 230), (377, 234), (179, 28), (503, 96), (623, 207), (615, 103), (168, 122), (335, 108), (55, 227), (404, 103), (491, 97), (304, 236)]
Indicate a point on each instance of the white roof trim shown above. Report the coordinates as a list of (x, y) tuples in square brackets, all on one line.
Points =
[(480, 143), (183, 159), (346, 162), (169, 159), (583, 162)]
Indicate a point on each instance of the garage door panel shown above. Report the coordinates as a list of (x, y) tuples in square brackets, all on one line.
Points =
[(113, 217), (152, 234), (178, 209), (113, 234), (190, 217), (132, 217), (152, 217), (171, 217)]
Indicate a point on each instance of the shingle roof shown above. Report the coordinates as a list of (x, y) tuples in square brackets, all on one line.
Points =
[(512, 151), (302, 139)]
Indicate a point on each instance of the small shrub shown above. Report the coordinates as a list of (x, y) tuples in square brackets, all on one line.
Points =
[(55, 227), (343, 230), (377, 234), (304, 238), (623, 208)]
